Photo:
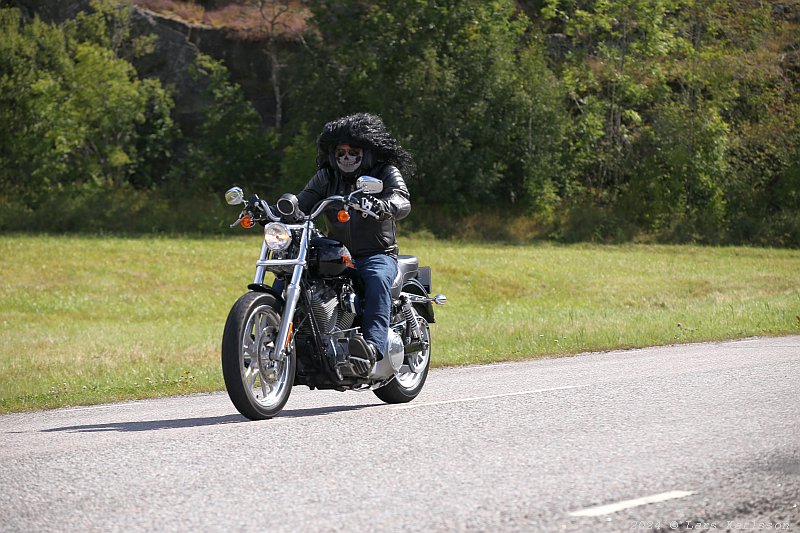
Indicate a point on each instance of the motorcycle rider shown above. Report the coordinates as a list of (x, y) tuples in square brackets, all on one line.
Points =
[(347, 148)]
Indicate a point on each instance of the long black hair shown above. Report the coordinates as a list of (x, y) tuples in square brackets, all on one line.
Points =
[(366, 131)]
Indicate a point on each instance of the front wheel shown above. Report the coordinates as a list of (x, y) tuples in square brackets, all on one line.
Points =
[(410, 378), (257, 386)]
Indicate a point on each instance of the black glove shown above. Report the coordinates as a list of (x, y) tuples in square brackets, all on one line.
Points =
[(381, 208)]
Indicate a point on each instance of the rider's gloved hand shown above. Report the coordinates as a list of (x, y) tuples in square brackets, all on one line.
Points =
[(381, 208)]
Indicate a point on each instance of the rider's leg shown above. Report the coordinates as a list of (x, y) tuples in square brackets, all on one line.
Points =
[(378, 273)]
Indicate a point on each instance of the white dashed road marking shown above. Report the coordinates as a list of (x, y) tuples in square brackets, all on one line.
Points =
[(628, 504), (478, 398)]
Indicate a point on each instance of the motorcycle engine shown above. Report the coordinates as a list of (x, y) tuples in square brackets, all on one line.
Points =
[(333, 310)]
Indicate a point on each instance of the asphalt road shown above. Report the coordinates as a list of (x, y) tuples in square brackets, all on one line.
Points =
[(694, 437)]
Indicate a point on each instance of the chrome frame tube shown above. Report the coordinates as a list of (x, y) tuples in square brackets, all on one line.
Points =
[(292, 295), (279, 262)]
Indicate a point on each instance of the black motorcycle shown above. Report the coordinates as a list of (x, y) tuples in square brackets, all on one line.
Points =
[(297, 330)]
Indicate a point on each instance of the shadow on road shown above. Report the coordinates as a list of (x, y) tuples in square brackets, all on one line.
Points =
[(152, 425), (317, 411)]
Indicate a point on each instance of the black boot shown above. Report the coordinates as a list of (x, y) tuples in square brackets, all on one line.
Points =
[(362, 354)]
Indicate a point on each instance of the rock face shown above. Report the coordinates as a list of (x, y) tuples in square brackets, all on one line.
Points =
[(214, 4), (49, 10), (177, 45)]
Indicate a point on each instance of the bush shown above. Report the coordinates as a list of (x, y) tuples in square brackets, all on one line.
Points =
[(73, 112), (229, 147)]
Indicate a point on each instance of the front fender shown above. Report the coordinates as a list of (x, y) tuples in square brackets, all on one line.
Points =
[(261, 287)]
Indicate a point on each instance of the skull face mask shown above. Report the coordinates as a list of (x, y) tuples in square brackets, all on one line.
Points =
[(348, 158)]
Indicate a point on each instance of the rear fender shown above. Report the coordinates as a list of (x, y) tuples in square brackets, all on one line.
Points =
[(413, 286)]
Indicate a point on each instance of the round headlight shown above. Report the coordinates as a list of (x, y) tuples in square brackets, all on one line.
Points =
[(277, 236)]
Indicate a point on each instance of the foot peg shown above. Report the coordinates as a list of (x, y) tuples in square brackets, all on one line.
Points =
[(362, 355), (360, 366)]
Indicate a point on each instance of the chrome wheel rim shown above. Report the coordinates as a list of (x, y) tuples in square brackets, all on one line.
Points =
[(264, 380), (420, 360)]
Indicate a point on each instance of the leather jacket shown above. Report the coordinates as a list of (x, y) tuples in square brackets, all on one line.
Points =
[(362, 236)]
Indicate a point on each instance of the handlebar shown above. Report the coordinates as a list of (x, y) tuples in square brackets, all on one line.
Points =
[(260, 211), (268, 211), (348, 202)]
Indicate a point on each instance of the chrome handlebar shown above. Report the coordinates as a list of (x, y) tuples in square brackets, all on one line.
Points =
[(321, 206), (348, 202)]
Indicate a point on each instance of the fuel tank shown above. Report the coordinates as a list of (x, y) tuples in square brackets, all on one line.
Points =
[(328, 258)]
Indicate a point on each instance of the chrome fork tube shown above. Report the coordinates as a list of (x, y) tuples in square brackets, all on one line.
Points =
[(260, 270), (292, 296)]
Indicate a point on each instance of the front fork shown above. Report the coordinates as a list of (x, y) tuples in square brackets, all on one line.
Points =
[(292, 292)]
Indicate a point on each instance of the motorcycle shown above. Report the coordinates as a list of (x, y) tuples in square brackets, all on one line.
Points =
[(297, 330)]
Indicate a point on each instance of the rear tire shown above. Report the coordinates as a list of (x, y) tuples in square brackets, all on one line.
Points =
[(407, 384), (257, 386)]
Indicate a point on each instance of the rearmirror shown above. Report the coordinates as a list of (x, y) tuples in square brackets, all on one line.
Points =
[(369, 185), (234, 196)]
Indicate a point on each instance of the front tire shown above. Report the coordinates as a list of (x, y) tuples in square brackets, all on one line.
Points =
[(257, 386), (408, 381)]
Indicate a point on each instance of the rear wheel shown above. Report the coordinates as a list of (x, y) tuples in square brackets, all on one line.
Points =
[(411, 376), (257, 386)]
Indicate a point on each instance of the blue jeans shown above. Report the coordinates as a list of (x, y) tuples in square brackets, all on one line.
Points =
[(377, 272)]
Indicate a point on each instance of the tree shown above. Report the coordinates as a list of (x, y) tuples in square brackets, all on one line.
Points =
[(461, 82), (228, 146), (72, 110), (273, 13), (613, 73), (661, 92)]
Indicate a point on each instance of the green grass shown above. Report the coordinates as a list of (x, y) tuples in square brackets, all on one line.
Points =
[(95, 319)]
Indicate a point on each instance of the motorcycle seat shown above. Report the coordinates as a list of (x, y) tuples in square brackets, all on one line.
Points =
[(407, 267)]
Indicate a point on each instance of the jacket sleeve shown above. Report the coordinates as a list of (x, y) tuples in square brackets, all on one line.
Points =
[(314, 191), (395, 193)]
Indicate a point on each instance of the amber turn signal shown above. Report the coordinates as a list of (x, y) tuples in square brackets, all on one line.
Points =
[(247, 221), (289, 336), (343, 216)]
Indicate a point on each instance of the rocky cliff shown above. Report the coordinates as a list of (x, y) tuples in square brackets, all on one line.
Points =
[(177, 44), (176, 47)]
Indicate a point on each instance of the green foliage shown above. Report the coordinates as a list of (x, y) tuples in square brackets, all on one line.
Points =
[(73, 112), (680, 173), (665, 94), (109, 26), (670, 120), (299, 161), (460, 82), (81, 132), (763, 191), (228, 146)]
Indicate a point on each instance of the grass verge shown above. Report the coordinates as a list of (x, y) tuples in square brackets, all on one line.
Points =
[(95, 319)]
